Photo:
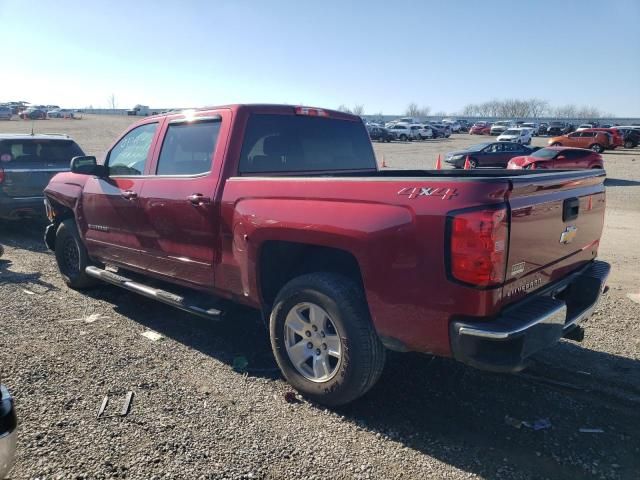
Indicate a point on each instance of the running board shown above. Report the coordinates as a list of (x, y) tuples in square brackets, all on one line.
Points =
[(163, 296)]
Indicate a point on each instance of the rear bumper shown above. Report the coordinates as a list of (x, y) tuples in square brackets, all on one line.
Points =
[(16, 208), (8, 431), (505, 343)]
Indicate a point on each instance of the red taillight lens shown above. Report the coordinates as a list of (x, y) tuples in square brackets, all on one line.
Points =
[(1, 175), (312, 112), (478, 246)]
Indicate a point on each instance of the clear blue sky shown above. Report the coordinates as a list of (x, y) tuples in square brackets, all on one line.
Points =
[(382, 54)]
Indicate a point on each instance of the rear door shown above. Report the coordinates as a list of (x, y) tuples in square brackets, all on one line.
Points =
[(179, 229), (112, 217), (556, 223), (28, 164)]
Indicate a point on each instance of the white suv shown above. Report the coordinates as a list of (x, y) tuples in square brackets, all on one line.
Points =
[(404, 131), (516, 135), (499, 127)]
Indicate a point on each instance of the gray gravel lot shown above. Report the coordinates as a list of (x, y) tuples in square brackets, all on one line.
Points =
[(193, 416)]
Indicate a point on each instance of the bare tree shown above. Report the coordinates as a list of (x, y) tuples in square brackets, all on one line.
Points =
[(344, 108), (112, 101), (412, 110), (568, 111), (440, 114), (358, 109), (538, 108)]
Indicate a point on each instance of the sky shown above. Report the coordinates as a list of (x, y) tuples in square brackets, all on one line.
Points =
[(380, 54)]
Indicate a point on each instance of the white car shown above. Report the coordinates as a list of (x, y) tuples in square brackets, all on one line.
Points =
[(584, 126), (516, 135), (501, 126), (453, 124), (424, 131), (404, 131), (535, 127)]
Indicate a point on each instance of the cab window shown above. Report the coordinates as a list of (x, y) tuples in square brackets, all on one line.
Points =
[(130, 155), (188, 148)]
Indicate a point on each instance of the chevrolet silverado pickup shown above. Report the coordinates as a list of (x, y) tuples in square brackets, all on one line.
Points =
[(284, 209)]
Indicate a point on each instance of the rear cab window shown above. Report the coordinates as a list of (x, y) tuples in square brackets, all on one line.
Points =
[(298, 143)]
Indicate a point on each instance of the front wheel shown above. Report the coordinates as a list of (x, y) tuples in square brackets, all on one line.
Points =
[(596, 147), (323, 339), (72, 257), (628, 144), (403, 138)]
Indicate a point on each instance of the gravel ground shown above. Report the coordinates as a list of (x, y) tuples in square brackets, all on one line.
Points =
[(193, 416)]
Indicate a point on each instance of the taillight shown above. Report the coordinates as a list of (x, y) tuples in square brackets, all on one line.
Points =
[(478, 246), (1, 175), (313, 112)]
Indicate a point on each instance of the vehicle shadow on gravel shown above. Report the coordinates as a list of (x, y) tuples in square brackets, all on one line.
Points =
[(22, 279), (24, 234), (619, 182), (449, 411)]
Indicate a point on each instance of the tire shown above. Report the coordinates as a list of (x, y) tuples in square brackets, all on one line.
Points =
[(473, 163), (628, 144), (72, 257), (596, 147), (403, 138), (342, 306)]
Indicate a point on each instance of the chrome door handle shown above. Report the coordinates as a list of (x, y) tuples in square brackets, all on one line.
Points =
[(198, 199), (129, 195)]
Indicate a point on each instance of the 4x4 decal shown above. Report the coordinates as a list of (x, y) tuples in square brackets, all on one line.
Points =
[(442, 192)]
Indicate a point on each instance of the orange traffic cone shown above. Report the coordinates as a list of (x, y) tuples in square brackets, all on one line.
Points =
[(384, 164), (438, 163), (467, 164)]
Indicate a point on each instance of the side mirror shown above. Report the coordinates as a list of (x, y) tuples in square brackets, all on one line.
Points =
[(87, 165)]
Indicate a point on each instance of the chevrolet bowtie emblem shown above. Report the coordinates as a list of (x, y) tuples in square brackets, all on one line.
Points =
[(568, 235)]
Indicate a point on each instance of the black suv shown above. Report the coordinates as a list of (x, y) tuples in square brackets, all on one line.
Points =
[(556, 129), (27, 162), (381, 134)]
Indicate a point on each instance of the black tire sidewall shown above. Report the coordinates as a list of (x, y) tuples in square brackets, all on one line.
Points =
[(67, 230), (350, 377)]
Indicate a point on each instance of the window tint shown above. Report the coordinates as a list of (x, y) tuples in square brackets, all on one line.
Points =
[(572, 154), (45, 152), (511, 147), (187, 148), (297, 143), (129, 156)]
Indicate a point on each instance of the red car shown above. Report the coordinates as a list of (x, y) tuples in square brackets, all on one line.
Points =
[(558, 158), (480, 128), (284, 209), (617, 136)]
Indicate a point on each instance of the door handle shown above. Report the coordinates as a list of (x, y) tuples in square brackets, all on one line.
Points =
[(129, 195), (198, 199)]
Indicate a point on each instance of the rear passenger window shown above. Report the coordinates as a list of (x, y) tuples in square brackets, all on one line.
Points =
[(188, 148)]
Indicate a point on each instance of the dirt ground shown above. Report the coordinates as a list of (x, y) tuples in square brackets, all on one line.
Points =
[(194, 416)]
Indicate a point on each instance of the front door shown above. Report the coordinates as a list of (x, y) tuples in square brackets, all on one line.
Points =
[(111, 215), (180, 225)]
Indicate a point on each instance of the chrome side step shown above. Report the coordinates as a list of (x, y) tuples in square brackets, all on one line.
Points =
[(163, 296)]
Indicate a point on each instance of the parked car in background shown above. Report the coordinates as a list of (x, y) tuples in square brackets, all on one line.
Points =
[(499, 127), (465, 125), (440, 130), (425, 132), (8, 431), (591, 139), (27, 162), (534, 127), (60, 113), (631, 136), (380, 134), (617, 137), (558, 158), (33, 114), (454, 125), (403, 132), (489, 154), (480, 128), (5, 112), (559, 128), (516, 135), (584, 126), (542, 128)]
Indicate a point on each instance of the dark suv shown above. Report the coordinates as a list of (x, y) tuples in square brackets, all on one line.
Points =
[(27, 162)]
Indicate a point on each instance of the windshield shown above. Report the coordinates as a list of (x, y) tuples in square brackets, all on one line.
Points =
[(545, 153), (512, 132), (297, 143), (529, 125), (502, 124)]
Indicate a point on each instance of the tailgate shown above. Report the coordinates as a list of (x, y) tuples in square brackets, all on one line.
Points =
[(556, 223), (28, 181)]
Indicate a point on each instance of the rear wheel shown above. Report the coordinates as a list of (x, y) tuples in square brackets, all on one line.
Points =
[(323, 339), (403, 137), (473, 163), (596, 147), (628, 144), (72, 257)]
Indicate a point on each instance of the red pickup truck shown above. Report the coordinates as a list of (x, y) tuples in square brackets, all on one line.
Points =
[(283, 209)]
